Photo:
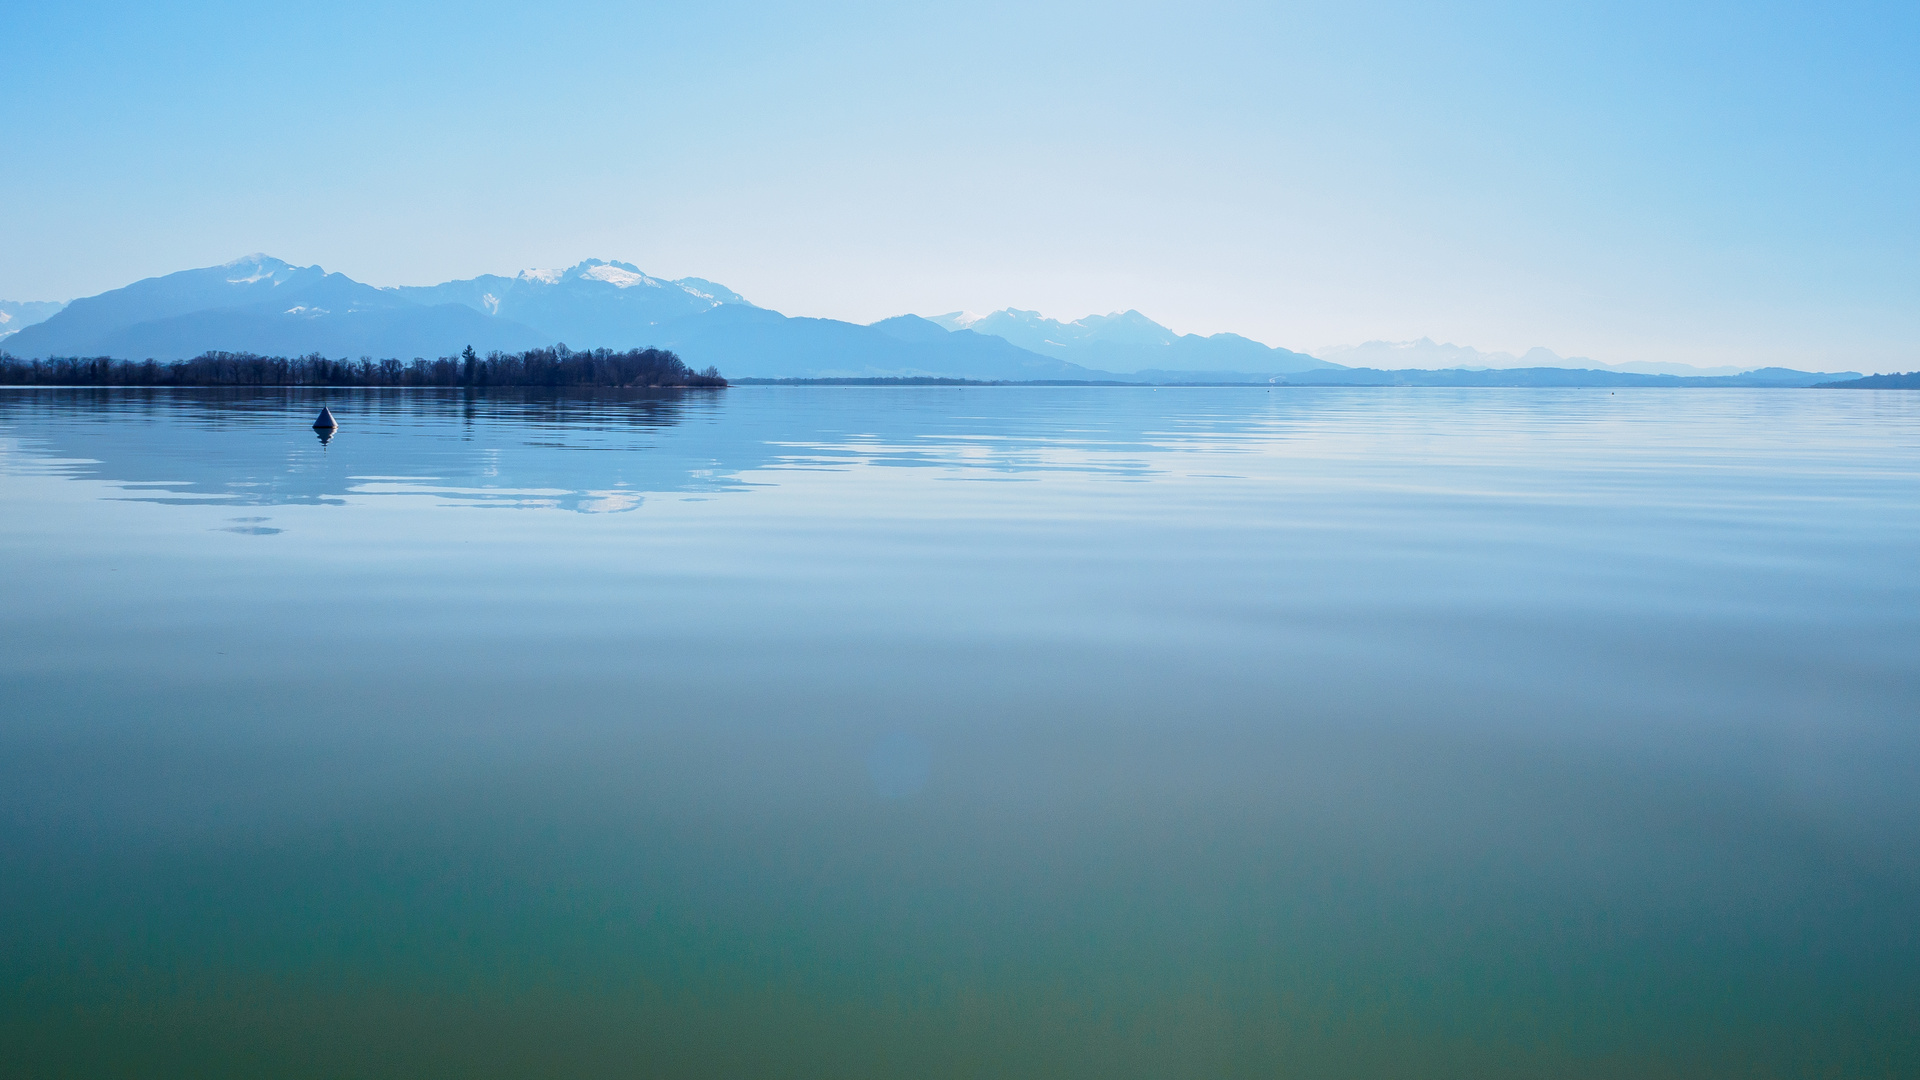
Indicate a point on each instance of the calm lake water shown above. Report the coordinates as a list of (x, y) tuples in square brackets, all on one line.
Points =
[(961, 732)]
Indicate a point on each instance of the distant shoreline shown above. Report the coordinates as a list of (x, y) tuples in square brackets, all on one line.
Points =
[(1568, 379)]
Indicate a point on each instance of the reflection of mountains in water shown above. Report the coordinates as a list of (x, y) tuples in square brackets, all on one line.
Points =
[(606, 450), (596, 451)]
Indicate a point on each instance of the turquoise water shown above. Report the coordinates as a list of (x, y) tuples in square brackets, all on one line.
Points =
[(858, 732)]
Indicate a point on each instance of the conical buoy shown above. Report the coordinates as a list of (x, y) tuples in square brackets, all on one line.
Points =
[(326, 421)]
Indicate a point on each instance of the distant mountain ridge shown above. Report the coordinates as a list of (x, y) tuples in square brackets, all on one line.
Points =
[(751, 342), (1128, 342), (1427, 354), (17, 315)]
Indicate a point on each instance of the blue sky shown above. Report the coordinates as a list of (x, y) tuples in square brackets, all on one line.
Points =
[(1708, 184)]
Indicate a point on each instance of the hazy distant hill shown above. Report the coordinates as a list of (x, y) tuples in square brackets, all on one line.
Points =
[(1130, 342), (593, 304), (1890, 381), (17, 315), (750, 342), (1429, 354), (262, 305)]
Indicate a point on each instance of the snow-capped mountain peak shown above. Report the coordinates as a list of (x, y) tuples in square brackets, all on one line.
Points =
[(593, 303), (618, 276), (956, 320), (259, 267)]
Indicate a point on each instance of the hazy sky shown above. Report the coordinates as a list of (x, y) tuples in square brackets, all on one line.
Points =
[(1730, 183)]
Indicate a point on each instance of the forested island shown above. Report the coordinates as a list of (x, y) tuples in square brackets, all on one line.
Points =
[(555, 367)]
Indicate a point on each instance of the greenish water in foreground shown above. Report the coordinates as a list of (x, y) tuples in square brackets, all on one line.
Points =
[(944, 732)]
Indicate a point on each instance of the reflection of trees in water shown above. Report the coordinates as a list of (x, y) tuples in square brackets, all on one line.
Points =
[(214, 404), (594, 450)]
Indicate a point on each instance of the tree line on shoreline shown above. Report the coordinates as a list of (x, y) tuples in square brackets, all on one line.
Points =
[(555, 367)]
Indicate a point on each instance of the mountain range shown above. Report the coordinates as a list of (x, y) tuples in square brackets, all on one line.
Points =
[(595, 304), (264, 305), (1129, 342), (17, 315)]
